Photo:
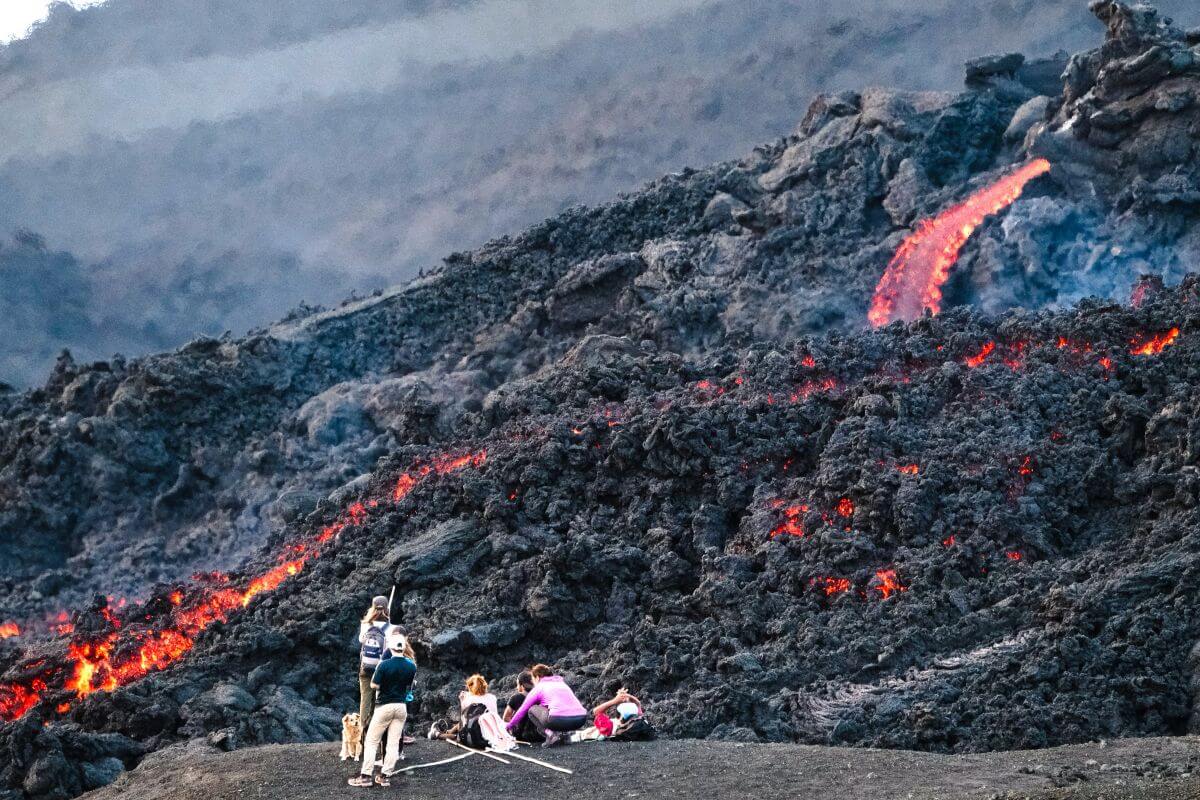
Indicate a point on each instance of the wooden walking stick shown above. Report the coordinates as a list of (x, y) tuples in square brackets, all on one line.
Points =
[(472, 750)]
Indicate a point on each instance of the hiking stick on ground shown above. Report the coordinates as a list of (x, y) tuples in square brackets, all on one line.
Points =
[(540, 763), (435, 763), (472, 750)]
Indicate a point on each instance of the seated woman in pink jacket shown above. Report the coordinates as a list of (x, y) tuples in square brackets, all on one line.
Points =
[(552, 707)]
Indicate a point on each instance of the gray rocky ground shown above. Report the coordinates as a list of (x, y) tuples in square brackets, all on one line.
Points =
[(1146, 769)]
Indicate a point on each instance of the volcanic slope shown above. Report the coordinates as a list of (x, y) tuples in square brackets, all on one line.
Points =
[(116, 475), (602, 444)]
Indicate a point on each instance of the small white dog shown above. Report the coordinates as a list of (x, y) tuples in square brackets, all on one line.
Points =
[(351, 737)]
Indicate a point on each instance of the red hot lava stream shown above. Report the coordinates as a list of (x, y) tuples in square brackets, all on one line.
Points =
[(913, 279), (122, 656)]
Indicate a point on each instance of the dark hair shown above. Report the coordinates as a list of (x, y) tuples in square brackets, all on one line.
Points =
[(540, 671), (525, 680)]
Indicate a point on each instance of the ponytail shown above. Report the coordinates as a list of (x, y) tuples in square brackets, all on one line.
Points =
[(375, 614)]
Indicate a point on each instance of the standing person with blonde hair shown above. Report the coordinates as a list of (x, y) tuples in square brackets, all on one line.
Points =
[(373, 632), (393, 680)]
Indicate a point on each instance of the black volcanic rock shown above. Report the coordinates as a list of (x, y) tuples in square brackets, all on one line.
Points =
[(703, 479)]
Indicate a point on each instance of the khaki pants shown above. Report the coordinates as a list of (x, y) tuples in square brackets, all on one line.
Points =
[(366, 700), (387, 719)]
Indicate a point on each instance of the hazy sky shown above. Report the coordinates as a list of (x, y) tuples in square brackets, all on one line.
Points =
[(17, 15)]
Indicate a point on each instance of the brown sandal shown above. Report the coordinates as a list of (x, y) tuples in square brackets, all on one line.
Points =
[(361, 781), (382, 780)]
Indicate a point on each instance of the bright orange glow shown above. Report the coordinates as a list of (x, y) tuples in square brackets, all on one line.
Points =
[(122, 655), (808, 388), (791, 525), (889, 584), (909, 469), (845, 507), (831, 585), (1155, 344), (1013, 555), (404, 485), (913, 279), (981, 356), (16, 700), (948, 541), (1026, 468), (9, 629)]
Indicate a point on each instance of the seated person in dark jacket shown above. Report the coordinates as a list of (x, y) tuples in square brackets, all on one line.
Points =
[(525, 732)]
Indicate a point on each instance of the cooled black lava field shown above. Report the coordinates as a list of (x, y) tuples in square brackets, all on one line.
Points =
[(657, 444)]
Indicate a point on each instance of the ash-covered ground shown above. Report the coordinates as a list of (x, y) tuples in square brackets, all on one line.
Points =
[(653, 443)]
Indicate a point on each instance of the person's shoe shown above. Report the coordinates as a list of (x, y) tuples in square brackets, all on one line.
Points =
[(552, 738), (435, 730), (409, 740)]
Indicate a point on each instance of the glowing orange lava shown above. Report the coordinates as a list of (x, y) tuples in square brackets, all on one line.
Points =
[(16, 700), (121, 656), (831, 585), (791, 524), (889, 584), (9, 629), (1155, 344), (981, 356), (809, 388), (913, 279)]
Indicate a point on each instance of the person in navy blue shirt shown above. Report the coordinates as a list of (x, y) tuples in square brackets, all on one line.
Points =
[(392, 682)]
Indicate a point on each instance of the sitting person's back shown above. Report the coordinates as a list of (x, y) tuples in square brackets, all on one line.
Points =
[(477, 693), (479, 721)]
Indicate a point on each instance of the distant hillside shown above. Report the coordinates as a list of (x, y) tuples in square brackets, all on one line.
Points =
[(222, 161)]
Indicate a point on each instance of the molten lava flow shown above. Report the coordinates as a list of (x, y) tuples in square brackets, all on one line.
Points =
[(909, 469), (845, 507), (16, 700), (9, 629), (913, 279), (981, 356), (120, 656), (809, 388), (63, 625), (791, 524), (889, 584), (1155, 344), (831, 585)]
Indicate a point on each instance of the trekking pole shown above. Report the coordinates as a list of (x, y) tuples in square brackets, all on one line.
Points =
[(391, 597), (540, 763), (450, 760), (477, 752)]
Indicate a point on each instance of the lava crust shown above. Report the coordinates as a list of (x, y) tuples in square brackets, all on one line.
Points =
[(656, 444)]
